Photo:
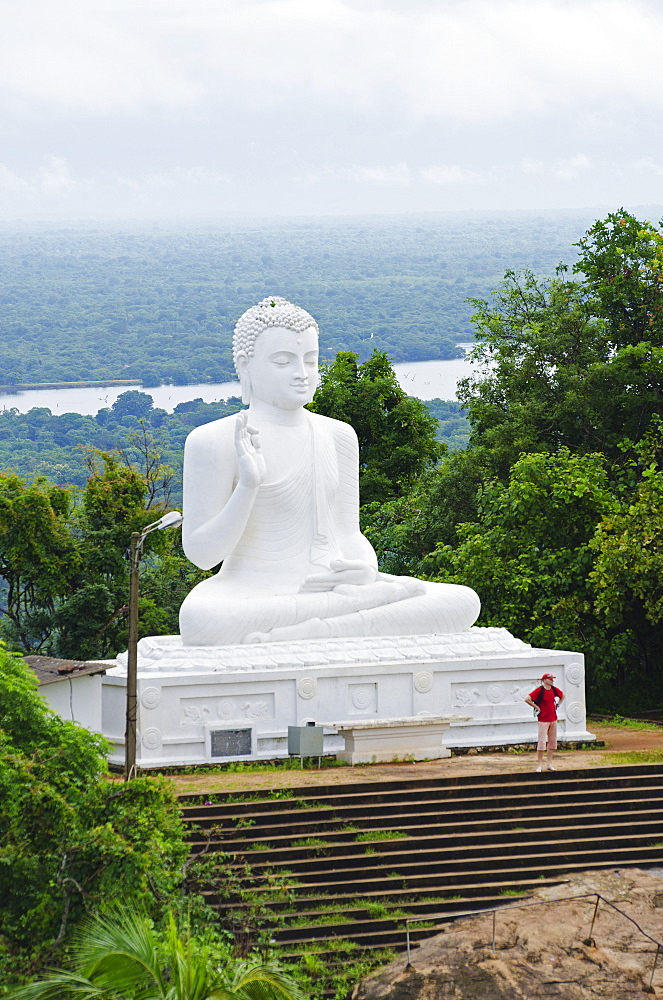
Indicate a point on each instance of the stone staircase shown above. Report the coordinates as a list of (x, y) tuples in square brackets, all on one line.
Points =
[(365, 856)]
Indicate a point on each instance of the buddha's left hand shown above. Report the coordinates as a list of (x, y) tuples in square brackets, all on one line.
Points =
[(341, 572)]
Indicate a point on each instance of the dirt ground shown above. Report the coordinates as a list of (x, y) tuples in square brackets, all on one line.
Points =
[(618, 741), (542, 951)]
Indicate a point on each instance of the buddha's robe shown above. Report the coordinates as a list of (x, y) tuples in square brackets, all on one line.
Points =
[(296, 528)]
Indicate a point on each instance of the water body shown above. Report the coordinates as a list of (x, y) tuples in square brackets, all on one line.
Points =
[(425, 379)]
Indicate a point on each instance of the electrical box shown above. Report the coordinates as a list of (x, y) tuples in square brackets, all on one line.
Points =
[(306, 741)]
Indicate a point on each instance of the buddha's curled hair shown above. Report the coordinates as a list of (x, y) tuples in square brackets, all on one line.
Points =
[(272, 311)]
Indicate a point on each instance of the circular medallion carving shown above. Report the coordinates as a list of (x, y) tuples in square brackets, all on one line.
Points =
[(226, 710), (575, 712), (423, 681), (574, 674), (307, 688), (495, 693), (361, 698), (150, 697), (151, 739)]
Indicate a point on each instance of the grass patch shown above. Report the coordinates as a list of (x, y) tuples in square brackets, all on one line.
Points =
[(332, 944), (314, 976), (417, 925), (517, 829), (258, 846), (300, 804), (381, 835), (378, 910), (370, 850), (373, 907), (349, 828), (242, 823), (623, 723), (320, 920), (633, 757), (511, 892), (315, 843)]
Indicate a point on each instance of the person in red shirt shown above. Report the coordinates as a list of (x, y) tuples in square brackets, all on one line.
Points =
[(545, 700)]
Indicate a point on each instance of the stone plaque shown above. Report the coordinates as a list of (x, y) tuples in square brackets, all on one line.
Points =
[(230, 742)]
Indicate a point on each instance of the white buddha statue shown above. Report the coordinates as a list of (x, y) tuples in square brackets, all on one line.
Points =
[(273, 495)]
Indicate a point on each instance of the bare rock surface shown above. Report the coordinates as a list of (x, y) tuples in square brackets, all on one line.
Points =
[(541, 951)]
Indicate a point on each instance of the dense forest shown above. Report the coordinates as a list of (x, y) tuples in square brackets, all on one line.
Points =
[(159, 304), (40, 443)]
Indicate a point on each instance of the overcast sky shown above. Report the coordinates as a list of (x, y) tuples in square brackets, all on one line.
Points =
[(204, 108)]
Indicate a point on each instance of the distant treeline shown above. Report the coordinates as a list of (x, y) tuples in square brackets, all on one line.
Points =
[(159, 305), (39, 443)]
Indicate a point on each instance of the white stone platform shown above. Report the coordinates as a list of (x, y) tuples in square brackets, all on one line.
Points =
[(386, 741), (201, 705)]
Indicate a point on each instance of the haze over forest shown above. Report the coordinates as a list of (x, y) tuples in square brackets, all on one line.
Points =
[(158, 302)]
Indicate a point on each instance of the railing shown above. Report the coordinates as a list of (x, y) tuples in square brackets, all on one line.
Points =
[(589, 940)]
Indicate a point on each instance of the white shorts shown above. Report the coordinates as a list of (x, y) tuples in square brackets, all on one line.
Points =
[(547, 735)]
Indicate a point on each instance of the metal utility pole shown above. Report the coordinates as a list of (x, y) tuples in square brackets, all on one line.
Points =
[(172, 519), (135, 552)]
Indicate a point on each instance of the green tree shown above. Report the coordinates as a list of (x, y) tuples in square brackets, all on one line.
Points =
[(531, 554), (628, 549), (133, 403), (621, 260), (91, 620), (122, 955), (403, 531), (572, 363), (39, 559), (396, 433), (70, 838)]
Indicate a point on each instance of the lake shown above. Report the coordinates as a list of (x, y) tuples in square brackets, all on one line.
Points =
[(425, 379)]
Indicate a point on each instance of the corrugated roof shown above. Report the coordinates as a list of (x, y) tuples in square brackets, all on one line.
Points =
[(49, 669)]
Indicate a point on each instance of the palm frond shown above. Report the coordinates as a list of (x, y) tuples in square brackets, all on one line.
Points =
[(57, 986), (264, 981)]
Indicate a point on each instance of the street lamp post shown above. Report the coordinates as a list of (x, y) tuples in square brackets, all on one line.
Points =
[(170, 520)]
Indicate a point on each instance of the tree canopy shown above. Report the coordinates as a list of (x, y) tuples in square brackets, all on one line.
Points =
[(397, 435), (69, 838), (552, 513)]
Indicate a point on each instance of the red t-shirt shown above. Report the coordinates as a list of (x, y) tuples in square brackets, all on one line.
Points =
[(548, 711)]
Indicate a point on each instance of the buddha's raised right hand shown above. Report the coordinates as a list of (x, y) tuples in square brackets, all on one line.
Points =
[(250, 459)]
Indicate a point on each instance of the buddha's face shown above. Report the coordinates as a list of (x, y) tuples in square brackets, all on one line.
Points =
[(283, 369)]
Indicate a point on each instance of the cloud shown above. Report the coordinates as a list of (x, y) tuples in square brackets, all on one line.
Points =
[(649, 165), (567, 170), (9, 181), (174, 179), (386, 175), (54, 177), (91, 58), (49, 179), (397, 175), (463, 61), (450, 174), (530, 165)]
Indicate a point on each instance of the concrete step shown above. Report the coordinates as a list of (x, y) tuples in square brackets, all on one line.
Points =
[(613, 776), (477, 838), (522, 828)]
